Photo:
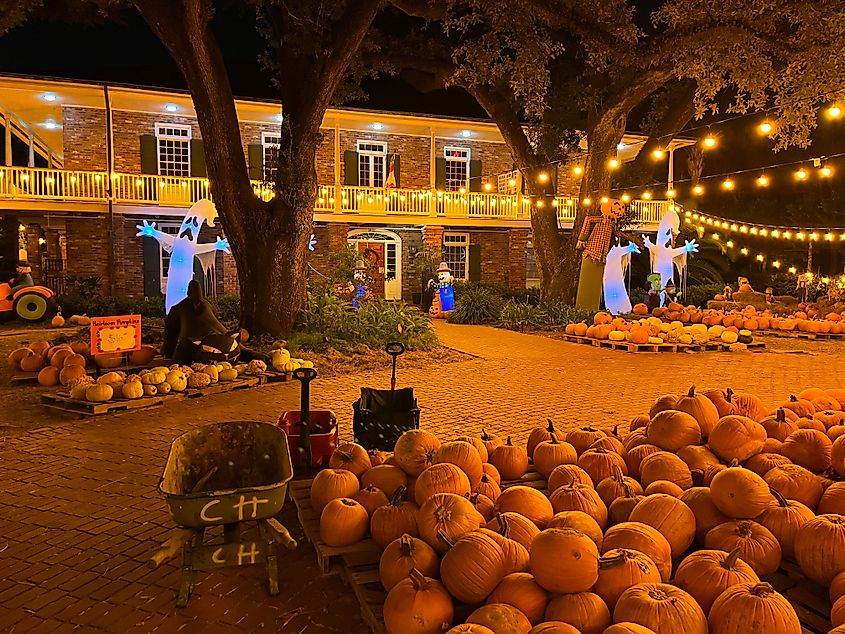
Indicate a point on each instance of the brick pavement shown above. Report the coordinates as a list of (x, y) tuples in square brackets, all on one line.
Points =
[(81, 516)]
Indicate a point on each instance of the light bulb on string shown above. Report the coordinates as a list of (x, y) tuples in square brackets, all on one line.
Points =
[(828, 236), (799, 235), (834, 112), (729, 244), (728, 184), (613, 164), (825, 171), (763, 180), (657, 154), (760, 257), (625, 198), (604, 199), (814, 236), (715, 236), (764, 232), (765, 128), (646, 195), (670, 193), (801, 174), (744, 251), (587, 202), (577, 170), (511, 182), (792, 270), (787, 234), (776, 264), (698, 190), (775, 233), (543, 177), (709, 141)]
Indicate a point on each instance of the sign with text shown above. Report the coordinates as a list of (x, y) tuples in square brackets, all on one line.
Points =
[(115, 334)]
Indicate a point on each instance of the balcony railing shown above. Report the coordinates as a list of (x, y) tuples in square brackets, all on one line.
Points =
[(29, 183)]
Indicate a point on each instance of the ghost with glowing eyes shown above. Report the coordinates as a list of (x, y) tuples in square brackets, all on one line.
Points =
[(183, 248)]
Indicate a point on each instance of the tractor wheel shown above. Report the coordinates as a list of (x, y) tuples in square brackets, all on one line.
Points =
[(32, 307)]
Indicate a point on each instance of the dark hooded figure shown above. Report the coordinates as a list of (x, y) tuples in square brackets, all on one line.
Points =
[(193, 333)]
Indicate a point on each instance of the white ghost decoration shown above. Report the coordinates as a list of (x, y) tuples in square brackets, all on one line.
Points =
[(664, 258), (616, 299)]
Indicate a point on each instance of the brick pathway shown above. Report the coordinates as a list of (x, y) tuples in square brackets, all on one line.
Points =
[(80, 515)]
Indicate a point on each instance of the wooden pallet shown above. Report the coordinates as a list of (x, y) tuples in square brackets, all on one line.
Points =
[(531, 479), (809, 599), (360, 571), (627, 346), (797, 334), (20, 378), (274, 376), (225, 386), (726, 347), (69, 405), (328, 557)]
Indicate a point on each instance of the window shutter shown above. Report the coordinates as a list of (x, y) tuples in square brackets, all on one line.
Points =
[(197, 158), (395, 158), (475, 175), (440, 173), (255, 153), (350, 167), (475, 263), (152, 268), (149, 154), (551, 187)]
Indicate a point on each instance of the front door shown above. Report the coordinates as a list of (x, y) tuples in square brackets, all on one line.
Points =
[(373, 255)]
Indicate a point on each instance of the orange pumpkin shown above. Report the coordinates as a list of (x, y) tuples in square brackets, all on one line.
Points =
[(490, 441), (740, 493), (665, 466), (783, 519), (564, 560), (643, 538), (371, 498), (736, 437), (464, 456), (418, 605), (837, 587), (500, 617), (515, 527), (837, 455), (671, 517), (488, 487), (809, 448), (398, 518), (626, 627), (403, 555), (471, 628), (833, 500), (635, 456), (705, 574), (582, 438), (707, 516), (331, 484), (663, 486), (585, 611), (721, 399), (441, 478), (520, 590), (800, 406), (795, 483), (697, 457), (473, 567), (615, 487), (600, 464), (541, 434), (620, 569), (580, 497), (620, 509), (551, 453), (415, 450), (567, 474), (820, 548), (387, 477), (758, 547), (351, 457), (511, 461), (746, 603), (699, 407), (343, 522), (661, 607), (762, 463), (579, 521), (452, 515), (672, 429), (528, 502), (477, 443), (777, 425), (492, 472)]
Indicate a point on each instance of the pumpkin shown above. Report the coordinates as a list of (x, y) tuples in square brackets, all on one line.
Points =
[(58, 321), (510, 461), (762, 463), (351, 457), (626, 627), (638, 422), (721, 399), (663, 486), (614, 487), (736, 437), (343, 522), (490, 442), (520, 590), (795, 483), (75, 359), (177, 380), (744, 604), (449, 514), (441, 478), (665, 466), (635, 456), (492, 472), (41, 347), (620, 569), (501, 618), (142, 356), (833, 500), (579, 521), (488, 487), (418, 605), (643, 538), (473, 567), (79, 387), (707, 516), (371, 498), (585, 611), (837, 587), (672, 429), (32, 363), (740, 493), (414, 451), (580, 497), (610, 443), (567, 474), (475, 442), (199, 380), (582, 438), (552, 453), (671, 517), (783, 519), (48, 376), (538, 435), (516, 527), (150, 390), (132, 390), (98, 393), (748, 405), (331, 484), (483, 505), (705, 574), (564, 560), (837, 455), (386, 477), (620, 509), (57, 359), (635, 439), (809, 448), (758, 546), (108, 360), (528, 502), (464, 456), (820, 547), (227, 374), (700, 408), (802, 407), (601, 463), (397, 518), (697, 457), (661, 607), (663, 403), (777, 425), (470, 628)]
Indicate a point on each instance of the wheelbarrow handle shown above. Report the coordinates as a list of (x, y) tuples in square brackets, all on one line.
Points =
[(305, 375), (395, 348)]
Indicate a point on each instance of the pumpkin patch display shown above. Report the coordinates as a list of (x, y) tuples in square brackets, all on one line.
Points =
[(418, 605)]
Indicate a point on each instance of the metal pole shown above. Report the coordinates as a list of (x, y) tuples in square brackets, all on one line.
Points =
[(31, 161), (7, 124), (670, 181), (110, 188)]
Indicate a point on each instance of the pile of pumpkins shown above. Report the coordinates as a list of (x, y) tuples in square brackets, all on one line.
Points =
[(671, 527), (281, 361), (159, 380), (59, 321), (655, 330)]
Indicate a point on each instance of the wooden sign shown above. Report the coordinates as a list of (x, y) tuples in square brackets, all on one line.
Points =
[(115, 334)]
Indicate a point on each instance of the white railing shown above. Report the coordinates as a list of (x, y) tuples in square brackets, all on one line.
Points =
[(33, 183)]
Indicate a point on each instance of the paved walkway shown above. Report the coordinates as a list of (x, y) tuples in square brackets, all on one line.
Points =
[(80, 515)]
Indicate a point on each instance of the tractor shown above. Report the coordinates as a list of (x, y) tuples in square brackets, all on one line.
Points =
[(31, 303)]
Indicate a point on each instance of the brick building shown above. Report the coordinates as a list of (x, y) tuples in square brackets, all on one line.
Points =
[(73, 206)]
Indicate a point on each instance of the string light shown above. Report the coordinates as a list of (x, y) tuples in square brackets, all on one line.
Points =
[(625, 198), (604, 199), (646, 195), (730, 244), (825, 171), (728, 184), (744, 251), (698, 190), (834, 112), (613, 163), (487, 187), (543, 177), (763, 180), (801, 174), (715, 236), (776, 264), (792, 270), (765, 127), (657, 154), (511, 182), (828, 236), (760, 257), (577, 170), (709, 141), (587, 202), (540, 203)]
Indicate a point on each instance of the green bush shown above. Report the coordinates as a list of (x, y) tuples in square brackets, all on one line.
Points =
[(560, 313), (504, 292), (99, 306), (228, 307), (521, 316), (476, 305), (699, 295)]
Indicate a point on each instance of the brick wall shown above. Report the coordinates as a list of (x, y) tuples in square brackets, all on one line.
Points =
[(228, 272), (87, 249), (568, 183), (517, 244), (494, 255), (84, 138), (415, 153), (251, 135), (433, 237), (411, 241), (495, 157)]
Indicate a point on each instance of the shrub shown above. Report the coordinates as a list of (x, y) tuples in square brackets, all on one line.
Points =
[(699, 295), (228, 307), (521, 316), (560, 313), (476, 305)]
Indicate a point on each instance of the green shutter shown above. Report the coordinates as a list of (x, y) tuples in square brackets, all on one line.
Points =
[(475, 175), (395, 158), (152, 268), (350, 167), (198, 158), (255, 153), (440, 173), (475, 263), (552, 189), (149, 154)]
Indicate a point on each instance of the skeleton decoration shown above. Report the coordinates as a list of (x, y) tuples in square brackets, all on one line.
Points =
[(664, 256), (184, 247)]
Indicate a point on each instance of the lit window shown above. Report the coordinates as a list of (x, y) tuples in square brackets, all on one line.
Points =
[(532, 276), (457, 168), (372, 157), (456, 253), (270, 144), (174, 149)]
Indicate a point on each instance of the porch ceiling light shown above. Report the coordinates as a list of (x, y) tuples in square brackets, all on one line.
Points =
[(377, 126), (171, 107), (465, 133), (49, 96)]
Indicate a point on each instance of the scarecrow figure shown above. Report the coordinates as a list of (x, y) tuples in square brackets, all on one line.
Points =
[(360, 282), (446, 294), (728, 293), (802, 288), (770, 295), (652, 298), (183, 247), (22, 278), (595, 238)]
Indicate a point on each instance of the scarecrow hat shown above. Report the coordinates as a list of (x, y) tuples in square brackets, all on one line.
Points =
[(443, 268)]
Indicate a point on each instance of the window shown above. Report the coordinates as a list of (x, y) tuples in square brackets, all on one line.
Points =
[(372, 157), (174, 149), (457, 168), (456, 253), (172, 229), (270, 144), (532, 276)]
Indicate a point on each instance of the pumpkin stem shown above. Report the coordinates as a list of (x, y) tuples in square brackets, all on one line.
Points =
[(793, 398), (743, 529), (485, 436), (629, 492), (406, 545), (348, 502), (553, 440), (615, 431), (551, 426), (443, 537), (691, 392), (418, 580), (697, 477), (782, 502), (398, 496), (606, 561), (762, 590), (780, 415), (617, 474), (729, 562), (509, 443), (729, 394), (734, 463)]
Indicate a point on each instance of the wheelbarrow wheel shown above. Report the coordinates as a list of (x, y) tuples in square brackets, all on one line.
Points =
[(33, 307)]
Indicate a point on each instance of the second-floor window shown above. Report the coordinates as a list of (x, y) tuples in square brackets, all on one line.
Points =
[(174, 149), (372, 161), (270, 144), (457, 168)]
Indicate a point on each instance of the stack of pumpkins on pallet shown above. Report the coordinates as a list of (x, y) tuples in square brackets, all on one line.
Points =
[(672, 527), (653, 330)]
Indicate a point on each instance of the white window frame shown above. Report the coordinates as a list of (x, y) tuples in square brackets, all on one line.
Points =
[(531, 282), (163, 133), (265, 145), (467, 156), (374, 155), (171, 228), (457, 239)]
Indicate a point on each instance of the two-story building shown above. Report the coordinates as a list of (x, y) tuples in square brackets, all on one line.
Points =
[(83, 164)]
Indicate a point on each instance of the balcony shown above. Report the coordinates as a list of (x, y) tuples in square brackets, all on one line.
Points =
[(343, 203)]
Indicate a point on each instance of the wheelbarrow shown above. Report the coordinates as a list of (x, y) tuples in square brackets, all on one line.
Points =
[(381, 416), (224, 474), (312, 433)]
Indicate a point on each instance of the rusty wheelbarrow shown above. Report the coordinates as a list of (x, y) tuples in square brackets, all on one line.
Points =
[(224, 474)]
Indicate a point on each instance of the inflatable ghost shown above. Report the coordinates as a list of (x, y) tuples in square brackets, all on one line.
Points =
[(183, 248), (616, 299), (664, 257)]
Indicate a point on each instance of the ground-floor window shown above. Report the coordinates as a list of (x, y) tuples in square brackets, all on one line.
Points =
[(456, 253), (532, 275), (172, 229), (270, 144)]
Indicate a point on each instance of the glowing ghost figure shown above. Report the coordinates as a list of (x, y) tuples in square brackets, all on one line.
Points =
[(183, 248), (664, 257), (616, 299)]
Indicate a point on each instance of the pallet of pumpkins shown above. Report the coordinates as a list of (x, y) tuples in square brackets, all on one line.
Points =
[(672, 527), (54, 364), (281, 361)]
